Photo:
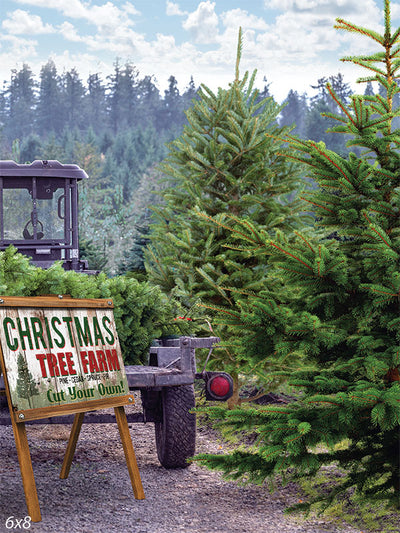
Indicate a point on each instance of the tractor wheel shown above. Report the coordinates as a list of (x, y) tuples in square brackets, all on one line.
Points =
[(176, 429)]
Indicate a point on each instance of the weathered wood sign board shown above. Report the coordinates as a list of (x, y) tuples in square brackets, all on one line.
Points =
[(60, 356), (55, 357)]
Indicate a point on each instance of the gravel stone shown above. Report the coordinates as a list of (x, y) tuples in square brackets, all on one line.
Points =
[(97, 497)]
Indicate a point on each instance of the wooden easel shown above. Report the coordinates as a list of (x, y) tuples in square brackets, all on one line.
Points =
[(79, 409), (126, 444), (24, 457)]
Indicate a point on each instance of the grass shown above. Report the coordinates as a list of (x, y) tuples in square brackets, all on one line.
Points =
[(350, 508)]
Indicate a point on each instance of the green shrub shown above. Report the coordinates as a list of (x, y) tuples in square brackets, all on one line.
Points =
[(142, 312)]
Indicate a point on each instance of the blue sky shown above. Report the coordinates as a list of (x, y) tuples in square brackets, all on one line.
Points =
[(290, 42)]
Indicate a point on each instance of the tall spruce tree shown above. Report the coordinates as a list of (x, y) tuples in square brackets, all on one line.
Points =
[(318, 120), (48, 116), (227, 164), (96, 109), (21, 104), (73, 100), (335, 330), (294, 112)]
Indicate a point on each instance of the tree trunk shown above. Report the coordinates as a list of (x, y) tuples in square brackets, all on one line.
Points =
[(234, 400)]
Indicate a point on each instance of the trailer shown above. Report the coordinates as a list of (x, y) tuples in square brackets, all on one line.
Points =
[(166, 387)]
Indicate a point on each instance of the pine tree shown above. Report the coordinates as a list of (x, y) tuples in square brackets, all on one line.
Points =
[(149, 104), (189, 94), (26, 386), (140, 218), (73, 100), (21, 104), (123, 96), (30, 148), (49, 115), (369, 90), (318, 120), (133, 261), (294, 112), (227, 164), (95, 100), (171, 112), (335, 329)]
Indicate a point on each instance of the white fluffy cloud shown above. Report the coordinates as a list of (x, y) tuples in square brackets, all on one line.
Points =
[(304, 31), (330, 6), (18, 49), (239, 17), (105, 16), (202, 24), (21, 22), (130, 9), (69, 8), (69, 32), (295, 48), (363, 13), (173, 8)]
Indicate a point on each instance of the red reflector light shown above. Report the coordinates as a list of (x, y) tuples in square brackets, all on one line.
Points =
[(219, 386)]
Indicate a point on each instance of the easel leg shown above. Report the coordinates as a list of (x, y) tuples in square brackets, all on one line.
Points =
[(25, 465), (129, 453), (73, 439)]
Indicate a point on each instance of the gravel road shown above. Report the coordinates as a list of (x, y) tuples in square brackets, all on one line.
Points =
[(97, 497)]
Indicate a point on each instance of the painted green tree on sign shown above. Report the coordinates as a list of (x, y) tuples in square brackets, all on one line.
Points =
[(26, 386)]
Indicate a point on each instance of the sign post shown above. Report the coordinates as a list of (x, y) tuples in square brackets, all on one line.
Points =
[(61, 356)]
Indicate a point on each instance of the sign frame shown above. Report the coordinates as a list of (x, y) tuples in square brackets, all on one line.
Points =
[(20, 416)]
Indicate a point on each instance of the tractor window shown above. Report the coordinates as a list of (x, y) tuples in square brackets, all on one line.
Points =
[(20, 213), (50, 212), (16, 204)]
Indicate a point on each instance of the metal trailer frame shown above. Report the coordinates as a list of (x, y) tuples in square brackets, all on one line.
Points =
[(172, 363), (166, 386)]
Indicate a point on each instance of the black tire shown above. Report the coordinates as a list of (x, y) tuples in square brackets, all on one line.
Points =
[(176, 430)]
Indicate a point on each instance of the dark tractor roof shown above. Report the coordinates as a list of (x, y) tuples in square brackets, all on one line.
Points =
[(41, 169)]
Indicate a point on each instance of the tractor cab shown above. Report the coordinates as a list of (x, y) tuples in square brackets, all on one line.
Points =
[(39, 211)]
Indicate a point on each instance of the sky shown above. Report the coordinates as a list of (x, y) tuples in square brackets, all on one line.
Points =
[(292, 43)]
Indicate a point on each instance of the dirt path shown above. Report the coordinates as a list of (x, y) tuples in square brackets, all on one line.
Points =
[(97, 496)]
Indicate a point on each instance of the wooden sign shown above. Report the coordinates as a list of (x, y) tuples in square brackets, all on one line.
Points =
[(60, 356), (56, 357)]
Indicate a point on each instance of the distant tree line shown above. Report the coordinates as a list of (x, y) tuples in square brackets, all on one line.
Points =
[(56, 105), (59, 102), (117, 129)]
